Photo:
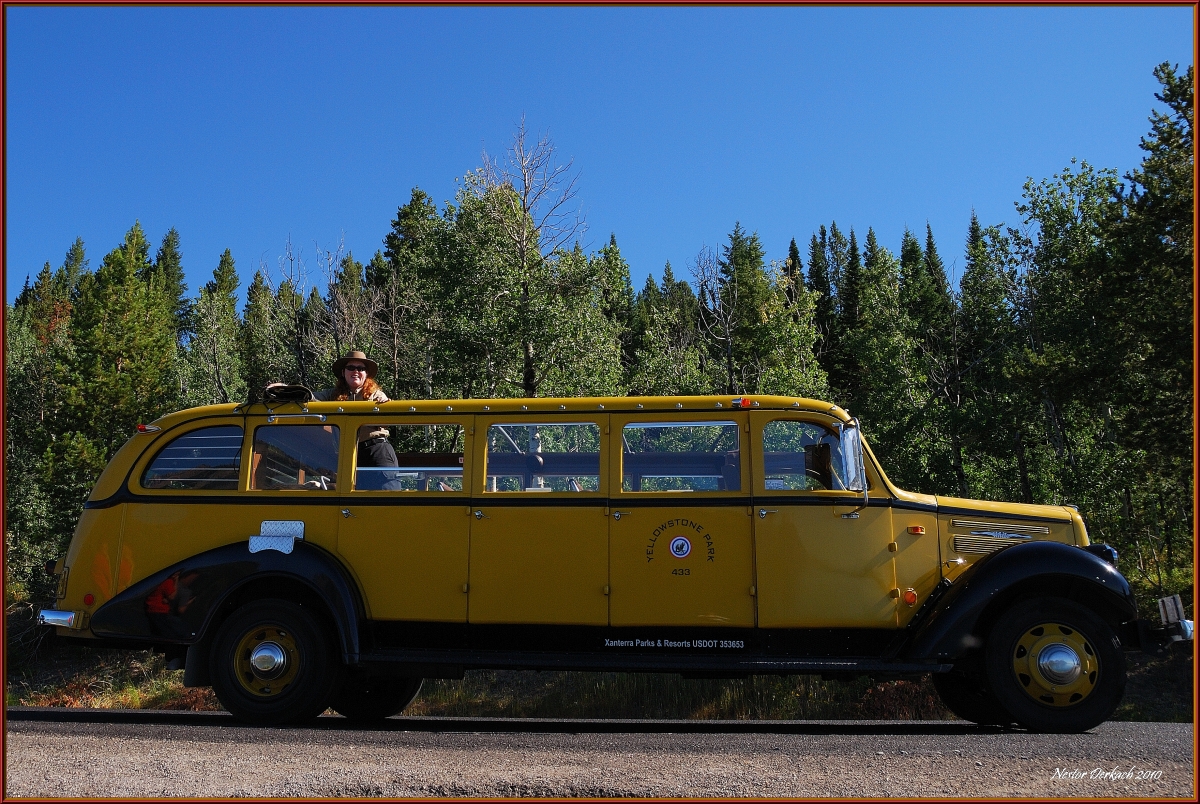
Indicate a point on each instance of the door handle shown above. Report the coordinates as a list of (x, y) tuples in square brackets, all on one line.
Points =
[(346, 513), (762, 512), (481, 515), (619, 514)]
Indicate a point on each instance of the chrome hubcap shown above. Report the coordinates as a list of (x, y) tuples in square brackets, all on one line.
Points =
[(268, 660), (1059, 664)]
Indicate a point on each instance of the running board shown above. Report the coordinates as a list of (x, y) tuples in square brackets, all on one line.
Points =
[(451, 661)]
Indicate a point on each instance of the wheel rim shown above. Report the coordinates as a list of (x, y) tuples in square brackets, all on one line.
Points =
[(266, 661), (1055, 665)]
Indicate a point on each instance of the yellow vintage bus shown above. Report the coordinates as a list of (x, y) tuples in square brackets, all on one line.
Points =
[(712, 536)]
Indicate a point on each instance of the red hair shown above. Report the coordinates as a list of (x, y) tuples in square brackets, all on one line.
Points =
[(342, 390)]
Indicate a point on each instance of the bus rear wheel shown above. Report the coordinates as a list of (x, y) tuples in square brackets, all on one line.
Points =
[(969, 698), (365, 699), (272, 663)]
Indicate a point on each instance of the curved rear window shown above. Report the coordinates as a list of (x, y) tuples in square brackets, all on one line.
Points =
[(208, 458)]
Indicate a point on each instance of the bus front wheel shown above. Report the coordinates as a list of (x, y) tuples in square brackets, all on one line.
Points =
[(272, 662)]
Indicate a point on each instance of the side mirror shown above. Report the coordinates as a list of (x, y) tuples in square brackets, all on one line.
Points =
[(852, 454)]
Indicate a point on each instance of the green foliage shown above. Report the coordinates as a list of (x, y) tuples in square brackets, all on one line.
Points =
[(213, 366), (122, 331), (889, 384), (668, 357), (258, 336), (168, 265)]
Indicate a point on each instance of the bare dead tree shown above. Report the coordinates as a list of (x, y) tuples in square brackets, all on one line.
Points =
[(293, 274), (406, 322), (542, 215), (531, 198), (352, 306), (718, 304)]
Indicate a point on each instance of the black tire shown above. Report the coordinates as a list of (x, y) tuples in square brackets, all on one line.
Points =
[(970, 699), (298, 688), (366, 699), (1091, 666)]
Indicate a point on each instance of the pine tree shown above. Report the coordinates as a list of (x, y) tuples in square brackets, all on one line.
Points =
[(421, 327), (668, 359), (75, 265), (987, 328), (928, 306), (845, 369), (258, 341), (617, 296), (850, 286), (913, 280), (168, 264), (645, 304), (789, 365), (1147, 315), (887, 386), (838, 254), (213, 360), (820, 285), (794, 269), (744, 272), (124, 338)]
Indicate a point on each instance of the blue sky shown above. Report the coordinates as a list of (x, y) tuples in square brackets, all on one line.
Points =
[(242, 127)]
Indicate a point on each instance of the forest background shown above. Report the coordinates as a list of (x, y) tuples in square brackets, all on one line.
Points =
[(1060, 370)]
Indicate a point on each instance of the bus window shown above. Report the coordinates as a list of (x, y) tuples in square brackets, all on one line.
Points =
[(801, 456), (295, 456), (429, 457), (543, 457), (681, 456), (208, 458)]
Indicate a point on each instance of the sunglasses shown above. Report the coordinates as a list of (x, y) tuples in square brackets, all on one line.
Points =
[(356, 368)]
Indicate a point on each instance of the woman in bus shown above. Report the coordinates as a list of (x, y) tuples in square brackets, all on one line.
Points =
[(355, 382)]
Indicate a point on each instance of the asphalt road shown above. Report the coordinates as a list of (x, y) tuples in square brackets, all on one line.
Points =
[(89, 753)]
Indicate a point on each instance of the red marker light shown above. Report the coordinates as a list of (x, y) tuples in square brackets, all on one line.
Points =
[(916, 530), (910, 597), (148, 428), (88, 599)]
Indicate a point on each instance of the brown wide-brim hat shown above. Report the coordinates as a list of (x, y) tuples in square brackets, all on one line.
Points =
[(340, 364)]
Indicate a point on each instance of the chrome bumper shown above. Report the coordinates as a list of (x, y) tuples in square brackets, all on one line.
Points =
[(1182, 631), (1171, 629), (1170, 611), (65, 619)]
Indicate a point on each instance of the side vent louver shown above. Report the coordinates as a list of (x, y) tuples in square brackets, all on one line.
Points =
[(988, 537)]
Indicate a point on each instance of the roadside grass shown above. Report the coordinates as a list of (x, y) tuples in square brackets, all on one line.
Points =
[(1159, 688), (103, 679), (667, 696)]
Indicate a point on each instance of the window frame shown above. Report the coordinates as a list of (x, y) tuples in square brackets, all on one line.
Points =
[(165, 439), (745, 448), (254, 424), (350, 452), (761, 418), (479, 475)]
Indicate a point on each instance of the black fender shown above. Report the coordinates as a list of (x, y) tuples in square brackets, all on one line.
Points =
[(177, 605), (960, 617)]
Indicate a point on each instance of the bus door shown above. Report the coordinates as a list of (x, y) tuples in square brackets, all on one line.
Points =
[(405, 530), (539, 534), (681, 541), (823, 562)]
